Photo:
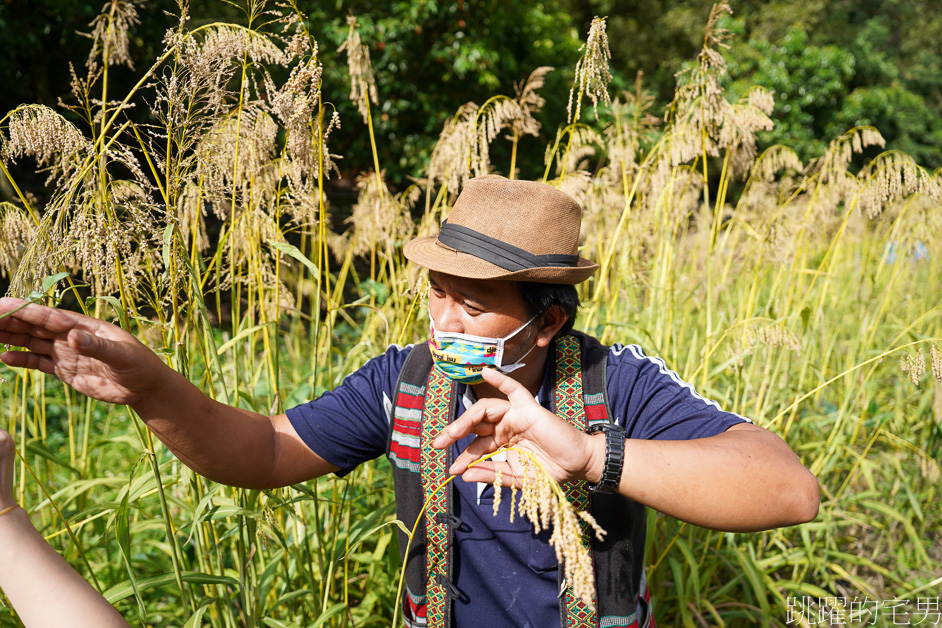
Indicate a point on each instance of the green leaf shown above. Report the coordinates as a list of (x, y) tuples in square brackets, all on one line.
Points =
[(366, 526), (113, 302), (223, 512), (294, 252), (277, 623), (125, 589), (49, 282), (242, 334), (41, 450), (167, 239), (196, 619), (330, 612)]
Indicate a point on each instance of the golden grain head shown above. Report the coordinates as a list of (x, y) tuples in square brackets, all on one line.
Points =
[(110, 34), (362, 82), (544, 504), (39, 132), (592, 71), (841, 151), (299, 43), (766, 334), (716, 36), (295, 104), (738, 134), (915, 365), (380, 219), (17, 230), (774, 160), (496, 115), (935, 360), (498, 489), (530, 102), (450, 164)]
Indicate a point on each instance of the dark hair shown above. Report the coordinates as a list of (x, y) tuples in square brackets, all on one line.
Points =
[(540, 297)]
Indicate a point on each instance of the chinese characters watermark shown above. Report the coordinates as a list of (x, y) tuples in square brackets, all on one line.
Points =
[(863, 611)]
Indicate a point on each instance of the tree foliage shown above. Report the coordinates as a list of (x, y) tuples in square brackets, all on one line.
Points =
[(831, 64)]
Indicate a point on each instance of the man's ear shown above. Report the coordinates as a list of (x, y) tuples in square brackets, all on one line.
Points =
[(550, 322)]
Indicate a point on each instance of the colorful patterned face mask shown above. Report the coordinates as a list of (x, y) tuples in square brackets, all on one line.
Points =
[(462, 357)]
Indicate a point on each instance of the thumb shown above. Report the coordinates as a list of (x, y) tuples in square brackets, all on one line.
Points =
[(94, 346), (84, 343)]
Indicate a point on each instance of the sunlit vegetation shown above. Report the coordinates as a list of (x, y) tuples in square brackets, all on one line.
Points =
[(802, 294)]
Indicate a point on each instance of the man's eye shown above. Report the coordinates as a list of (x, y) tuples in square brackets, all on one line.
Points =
[(471, 308)]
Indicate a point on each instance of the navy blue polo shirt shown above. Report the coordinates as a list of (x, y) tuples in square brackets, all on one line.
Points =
[(505, 574)]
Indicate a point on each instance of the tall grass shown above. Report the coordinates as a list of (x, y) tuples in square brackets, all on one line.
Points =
[(801, 295)]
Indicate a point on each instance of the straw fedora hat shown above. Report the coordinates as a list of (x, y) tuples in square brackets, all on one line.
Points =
[(503, 229)]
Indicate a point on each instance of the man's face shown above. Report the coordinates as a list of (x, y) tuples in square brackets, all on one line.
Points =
[(492, 308)]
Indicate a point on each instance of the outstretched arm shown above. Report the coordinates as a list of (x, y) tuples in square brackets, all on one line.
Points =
[(741, 480), (43, 588), (226, 444)]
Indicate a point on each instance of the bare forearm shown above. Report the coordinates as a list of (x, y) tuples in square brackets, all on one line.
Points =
[(102, 361), (43, 588), (226, 444), (741, 480)]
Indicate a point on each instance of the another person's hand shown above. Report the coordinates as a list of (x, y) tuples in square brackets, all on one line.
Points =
[(43, 589), (567, 453), (6, 470), (96, 358)]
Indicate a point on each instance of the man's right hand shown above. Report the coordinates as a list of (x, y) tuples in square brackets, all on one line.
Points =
[(93, 357), (230, 445)]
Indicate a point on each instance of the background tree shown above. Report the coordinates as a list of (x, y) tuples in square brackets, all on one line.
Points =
[(831, 64)]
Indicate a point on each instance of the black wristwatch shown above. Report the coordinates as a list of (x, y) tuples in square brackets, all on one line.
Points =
[(614, 457)]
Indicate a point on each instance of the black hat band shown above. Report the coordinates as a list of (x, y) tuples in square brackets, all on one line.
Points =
[(497, 252)]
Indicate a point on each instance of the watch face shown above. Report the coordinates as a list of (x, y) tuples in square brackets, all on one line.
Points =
[(605, 427)]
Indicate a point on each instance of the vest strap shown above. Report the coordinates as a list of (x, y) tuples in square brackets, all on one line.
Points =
[(568, 400), (439, 408)]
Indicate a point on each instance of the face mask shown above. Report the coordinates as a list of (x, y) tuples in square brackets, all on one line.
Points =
[(462, 357)]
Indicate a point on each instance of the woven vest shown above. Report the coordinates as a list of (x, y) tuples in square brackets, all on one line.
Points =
[(425, 403)]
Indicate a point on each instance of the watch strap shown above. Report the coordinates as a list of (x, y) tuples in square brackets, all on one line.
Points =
[(614, 457)]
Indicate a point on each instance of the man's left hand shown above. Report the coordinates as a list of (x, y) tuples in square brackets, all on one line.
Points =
[(565, 452)]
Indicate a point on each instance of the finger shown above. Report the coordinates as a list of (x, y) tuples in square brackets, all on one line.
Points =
[(486, 472), (40, 316), (9, 304), (490, 410), (479, 447), (14, 325), (515, 391), (29, 360), (26, 341)]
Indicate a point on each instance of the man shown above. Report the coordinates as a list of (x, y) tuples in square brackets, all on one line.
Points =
[(502, 273)]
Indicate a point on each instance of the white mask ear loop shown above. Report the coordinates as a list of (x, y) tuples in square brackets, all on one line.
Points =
[(519, 329), (510, 368)]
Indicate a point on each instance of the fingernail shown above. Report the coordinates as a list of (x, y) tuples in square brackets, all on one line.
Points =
[(84, 340)]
